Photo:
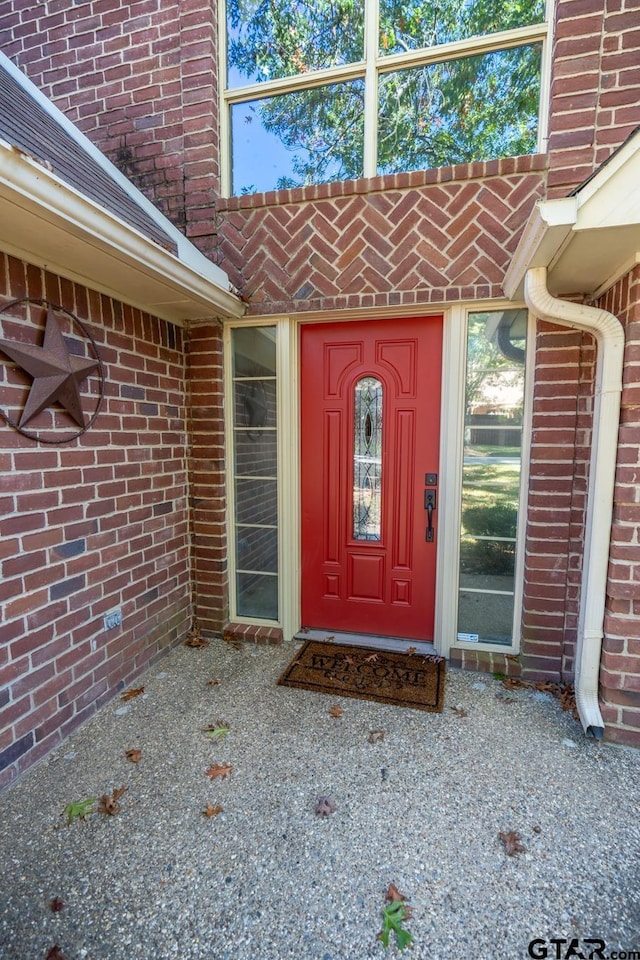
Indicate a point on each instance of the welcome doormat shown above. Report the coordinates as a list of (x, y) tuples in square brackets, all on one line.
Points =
[(404, 679)]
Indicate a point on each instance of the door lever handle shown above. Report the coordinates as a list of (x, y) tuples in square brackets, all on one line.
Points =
[(429, 505)]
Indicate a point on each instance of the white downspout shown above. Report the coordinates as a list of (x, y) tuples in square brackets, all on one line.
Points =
[(609, 336)]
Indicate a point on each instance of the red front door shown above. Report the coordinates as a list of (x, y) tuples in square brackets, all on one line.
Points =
[(370, 434)]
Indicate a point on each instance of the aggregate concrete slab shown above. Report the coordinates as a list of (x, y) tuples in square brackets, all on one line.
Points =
[(267, 878)]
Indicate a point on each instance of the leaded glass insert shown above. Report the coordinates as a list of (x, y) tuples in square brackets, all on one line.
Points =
[(367, 459)]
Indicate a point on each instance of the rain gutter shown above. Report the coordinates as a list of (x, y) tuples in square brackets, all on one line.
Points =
[(609, 336), (180, 281)]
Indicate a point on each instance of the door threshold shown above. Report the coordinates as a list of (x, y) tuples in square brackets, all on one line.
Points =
[(389, 644)]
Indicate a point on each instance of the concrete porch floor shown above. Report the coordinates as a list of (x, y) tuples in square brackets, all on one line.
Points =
[(268, 878)]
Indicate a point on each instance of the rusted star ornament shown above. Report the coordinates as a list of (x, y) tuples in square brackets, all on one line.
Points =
[(57, 374)]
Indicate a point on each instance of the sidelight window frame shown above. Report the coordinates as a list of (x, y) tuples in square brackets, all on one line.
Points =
[(286, 428), (454, 368)]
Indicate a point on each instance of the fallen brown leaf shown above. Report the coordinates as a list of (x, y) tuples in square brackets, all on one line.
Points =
[(196, 642), (213, 683), (55, 953), (410, 651), (135, 756), (221, 770), (330, 639), (194, 637), (504, 698), (212, 811), (375, 736), (563, 692), (393, 895), (133, 692), (325, 806), (56, 905), (512, 842), (233, 640), (336, 711), (109, 802), (460, 711)]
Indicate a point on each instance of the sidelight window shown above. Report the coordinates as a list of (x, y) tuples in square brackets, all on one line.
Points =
[(255, 471), (493, 423)]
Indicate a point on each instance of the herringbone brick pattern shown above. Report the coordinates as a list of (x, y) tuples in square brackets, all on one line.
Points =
[(391, 241)]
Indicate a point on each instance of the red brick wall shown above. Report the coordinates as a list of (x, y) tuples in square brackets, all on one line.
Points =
[(89, 526), (558, 477), (557, 499), (595, 102), (620, 673), (138, 78), (400, 240), (208, 501)]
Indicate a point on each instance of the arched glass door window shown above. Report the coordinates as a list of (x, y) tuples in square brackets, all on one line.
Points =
[(367, 459)]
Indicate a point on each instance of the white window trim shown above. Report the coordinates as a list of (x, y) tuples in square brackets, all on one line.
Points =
[(369, 69), (286, 420), (450, 468), (454, 350)]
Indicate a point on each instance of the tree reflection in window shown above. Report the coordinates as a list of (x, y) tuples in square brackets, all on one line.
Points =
[(446, 83), (367, 459)]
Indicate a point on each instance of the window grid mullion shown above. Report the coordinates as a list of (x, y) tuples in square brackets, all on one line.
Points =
[(441, 53), (224, 107), (371, 20), (460, 49)]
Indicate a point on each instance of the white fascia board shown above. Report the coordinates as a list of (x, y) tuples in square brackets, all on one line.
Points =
[(187, 251), (30, 186), (545, 235), (614, 200), (623, 167)]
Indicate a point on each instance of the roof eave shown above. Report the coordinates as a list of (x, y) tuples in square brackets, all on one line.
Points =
[(588, 240), (49, 223), (545, 234)]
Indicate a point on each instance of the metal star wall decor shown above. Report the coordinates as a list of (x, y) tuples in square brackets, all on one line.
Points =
[(57, 373)]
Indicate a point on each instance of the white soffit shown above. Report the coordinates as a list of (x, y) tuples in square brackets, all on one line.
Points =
[(47, 222), (589, 240)]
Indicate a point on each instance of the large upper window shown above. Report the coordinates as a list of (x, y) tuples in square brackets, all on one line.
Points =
[(320, 90)]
